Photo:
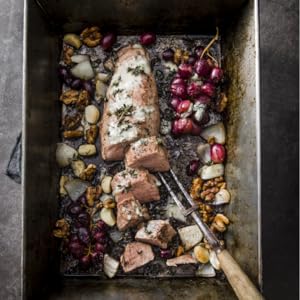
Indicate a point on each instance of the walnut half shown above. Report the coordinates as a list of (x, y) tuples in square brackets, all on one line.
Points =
[(91, 36)]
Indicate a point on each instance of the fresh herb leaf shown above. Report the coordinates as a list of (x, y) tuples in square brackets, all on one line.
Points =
[(137, 70), (125, 128), (133, 173), (124, 111), (159, 142), (117, 82), (117, 91)]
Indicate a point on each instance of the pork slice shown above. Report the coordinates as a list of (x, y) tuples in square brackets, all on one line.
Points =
[(136, 255), (139, 182), (130, 212), (181, 260), (156, 232), (148, 153), (132, 110)]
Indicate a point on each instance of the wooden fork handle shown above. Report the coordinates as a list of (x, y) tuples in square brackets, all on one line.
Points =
[(239, 281)]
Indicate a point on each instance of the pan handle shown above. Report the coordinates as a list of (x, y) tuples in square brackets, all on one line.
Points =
[(239, 281)]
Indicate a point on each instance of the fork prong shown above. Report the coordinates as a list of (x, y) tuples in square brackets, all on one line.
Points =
[(173, 195), (209, 235), (185, 193)]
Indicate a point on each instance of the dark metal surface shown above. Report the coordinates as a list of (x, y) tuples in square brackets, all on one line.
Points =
[(279, 73), (279, 41), (42, 132), (138, 16)]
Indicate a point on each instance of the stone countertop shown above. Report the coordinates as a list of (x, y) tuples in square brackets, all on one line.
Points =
[(279, 85), (11, 37)]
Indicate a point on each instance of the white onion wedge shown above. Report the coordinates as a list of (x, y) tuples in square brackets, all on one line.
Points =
[(206, 271), (108, 217), (65, 154), (104, 77), (213, 171), (77, 59), (213, 259), (222, 197), (75, 188), (216, 131), (110, 266), (101, 89), (203, 151), (83, 70), (190, 236)]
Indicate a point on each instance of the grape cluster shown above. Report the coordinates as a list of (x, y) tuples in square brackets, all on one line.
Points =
[(88, 240)]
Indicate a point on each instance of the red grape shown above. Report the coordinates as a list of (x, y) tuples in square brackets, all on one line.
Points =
[(185, 125), (99, 248), (83, 235), (199, 50), (175, 102), (84, 219), (76, 249), (85, 262), (202, 99), (76, 84), (208, 89), (185, 70), (101, 225), (108, 40), (192, 168), (168, 54), (184, 106), (217, 153), (75, 209), (165, 253), (147, 38), (216, 75), (178, 88), (88, 86), (192, 59), (194, 89), (196, 129), (202, 67)]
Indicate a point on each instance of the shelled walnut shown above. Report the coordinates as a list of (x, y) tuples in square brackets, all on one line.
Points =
[(80, 98), (91, 134), (83, 100), (69, 97), (222, 102), (211, 187), (69, 134), (219, 223), (196, 188), (92, 194), (88, 173), (206, 213), (91, 36), (62, 229), (68, 52), (71, 122)]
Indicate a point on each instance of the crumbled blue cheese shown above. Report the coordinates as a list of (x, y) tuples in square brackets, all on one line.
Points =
[(128, 81), (141, 113), (118, 133), (123, 84)]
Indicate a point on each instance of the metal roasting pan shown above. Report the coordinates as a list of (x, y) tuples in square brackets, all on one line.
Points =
[(44, 23)]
